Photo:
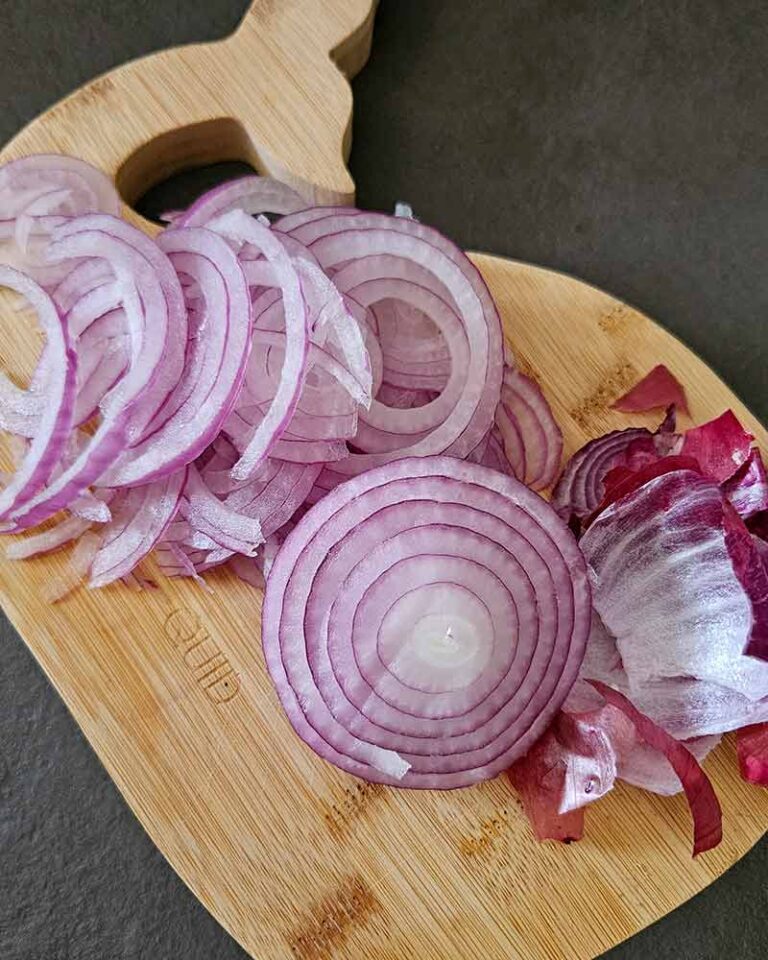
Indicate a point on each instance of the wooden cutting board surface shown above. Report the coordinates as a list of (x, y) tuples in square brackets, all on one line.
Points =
[(293, 857)]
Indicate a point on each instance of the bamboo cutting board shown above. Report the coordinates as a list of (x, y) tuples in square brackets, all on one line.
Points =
[(293, 857)]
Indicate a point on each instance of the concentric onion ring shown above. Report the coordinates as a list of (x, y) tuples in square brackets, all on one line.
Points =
[(424, 622)]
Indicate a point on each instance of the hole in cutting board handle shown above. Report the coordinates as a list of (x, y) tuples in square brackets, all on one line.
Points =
[(165, 173)]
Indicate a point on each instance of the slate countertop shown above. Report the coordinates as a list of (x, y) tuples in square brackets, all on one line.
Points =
[(622, 142)]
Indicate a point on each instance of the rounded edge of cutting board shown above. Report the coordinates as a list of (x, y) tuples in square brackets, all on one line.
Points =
[(297, 859)]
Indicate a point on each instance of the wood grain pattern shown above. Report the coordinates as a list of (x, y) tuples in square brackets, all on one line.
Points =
[(293, 857)]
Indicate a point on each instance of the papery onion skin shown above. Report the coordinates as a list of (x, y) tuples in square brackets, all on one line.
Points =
[(539, 779), (747, 489), (658, 388), (720, 446), (752, 747), (665, 586), (702, 799)]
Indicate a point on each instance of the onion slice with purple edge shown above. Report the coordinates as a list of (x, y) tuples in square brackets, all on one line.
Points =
[(424, 622), (533, 442), (55, 421), (216, 356), (272, 496), (150, 298), (38, 194), (253, 195), (141, 516), (665, 586), (241, 228), (350, 243), (705, 808), (217, 522)]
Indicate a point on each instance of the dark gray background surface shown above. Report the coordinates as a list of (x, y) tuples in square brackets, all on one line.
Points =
[(624, 142)]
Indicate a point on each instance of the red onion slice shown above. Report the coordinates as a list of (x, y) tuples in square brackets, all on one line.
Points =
[(47, 541), (344, 243), (215, 360), (241, 228), (533, 442), (494, 626), (252, 195), (55, 419), (39, 193), (147, 306), (581, 486), (141, 516), (226, 528)]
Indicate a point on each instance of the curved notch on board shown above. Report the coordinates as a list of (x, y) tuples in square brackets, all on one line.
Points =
[(274, 94)]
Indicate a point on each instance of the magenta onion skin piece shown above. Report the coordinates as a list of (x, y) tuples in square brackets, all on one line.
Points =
[(425, 499), (540, 781), (747, 489), (702, 799), (665, 586), (721, 446), (658, 388), (749, 566), (752, 748)]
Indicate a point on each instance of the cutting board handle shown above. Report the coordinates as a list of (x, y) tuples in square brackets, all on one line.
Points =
[(342, 30), (275, 94)]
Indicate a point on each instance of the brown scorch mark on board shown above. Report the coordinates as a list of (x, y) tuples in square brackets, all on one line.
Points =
[(353, 803), (85, 97), (614, 383), (333, 919), (617, 319), (525, 366), (487, 835)]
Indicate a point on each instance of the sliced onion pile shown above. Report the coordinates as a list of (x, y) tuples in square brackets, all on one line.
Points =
[(233, 372), (323, 402)]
